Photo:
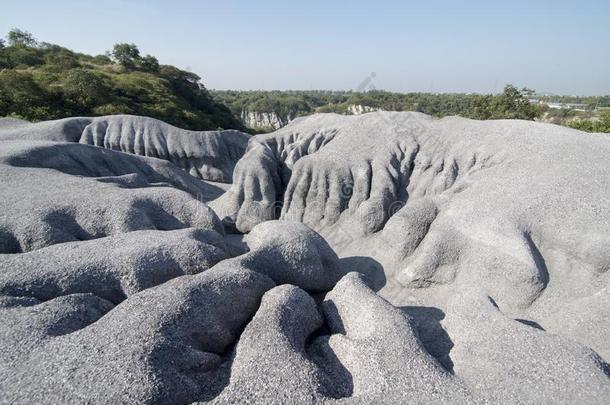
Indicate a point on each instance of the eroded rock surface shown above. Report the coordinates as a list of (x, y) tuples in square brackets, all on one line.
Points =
[(520, 208), (56, 192), (510, 361), (208, 155), (119, 284)]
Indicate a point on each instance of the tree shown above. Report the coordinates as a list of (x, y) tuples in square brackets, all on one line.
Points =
[(1, 43), (101, 60), (23, 56), (60, 60), (149, 63), (512, 103), (20, 95), (127, 55), (16, 37), (515, 104), (85, 88)]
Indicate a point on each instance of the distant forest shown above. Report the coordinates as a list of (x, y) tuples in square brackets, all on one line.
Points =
[(512, 103)]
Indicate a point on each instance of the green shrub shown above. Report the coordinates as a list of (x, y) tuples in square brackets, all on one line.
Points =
[(101, 60), (600, 125)]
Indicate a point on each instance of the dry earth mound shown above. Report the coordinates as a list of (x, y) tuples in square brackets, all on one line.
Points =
[(208, 155), (519, 209), (118, 283)]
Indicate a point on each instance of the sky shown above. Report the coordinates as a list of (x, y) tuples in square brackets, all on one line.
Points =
[(558, 47)]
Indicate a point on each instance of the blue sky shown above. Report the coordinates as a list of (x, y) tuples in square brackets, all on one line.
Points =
[(440, 46)]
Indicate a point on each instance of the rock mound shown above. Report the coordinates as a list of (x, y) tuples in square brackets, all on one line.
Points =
[(208, 155), (520, 208), (112, 267), (55, 193), (118, 283), (509, 361), (292, 253)]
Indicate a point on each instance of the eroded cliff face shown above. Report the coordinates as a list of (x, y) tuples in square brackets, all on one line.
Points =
[(263, 120), (272, 121), (357, 109)]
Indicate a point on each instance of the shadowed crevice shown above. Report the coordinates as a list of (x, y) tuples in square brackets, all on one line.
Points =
[(538, 259), (431, 333)]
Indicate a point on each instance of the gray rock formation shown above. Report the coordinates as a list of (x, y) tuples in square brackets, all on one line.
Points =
[(208, 155), (488, 243), (294, 254), (112, 267), (158, 346), (507, 361), (520, 208), (61, 192)]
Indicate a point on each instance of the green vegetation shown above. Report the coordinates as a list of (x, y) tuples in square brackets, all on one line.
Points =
[(512, 103), (41, 81), (586, 113), (591, 102), (601, 124)]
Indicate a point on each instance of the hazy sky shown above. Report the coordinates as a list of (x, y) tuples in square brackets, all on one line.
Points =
[(457, 46)]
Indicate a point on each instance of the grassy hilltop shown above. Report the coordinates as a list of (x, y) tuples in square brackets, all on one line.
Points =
[(41, 81)]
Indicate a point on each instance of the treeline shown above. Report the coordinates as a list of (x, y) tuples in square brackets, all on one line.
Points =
[(42, 81), (511, 103), (286, 104), (591, 102)]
